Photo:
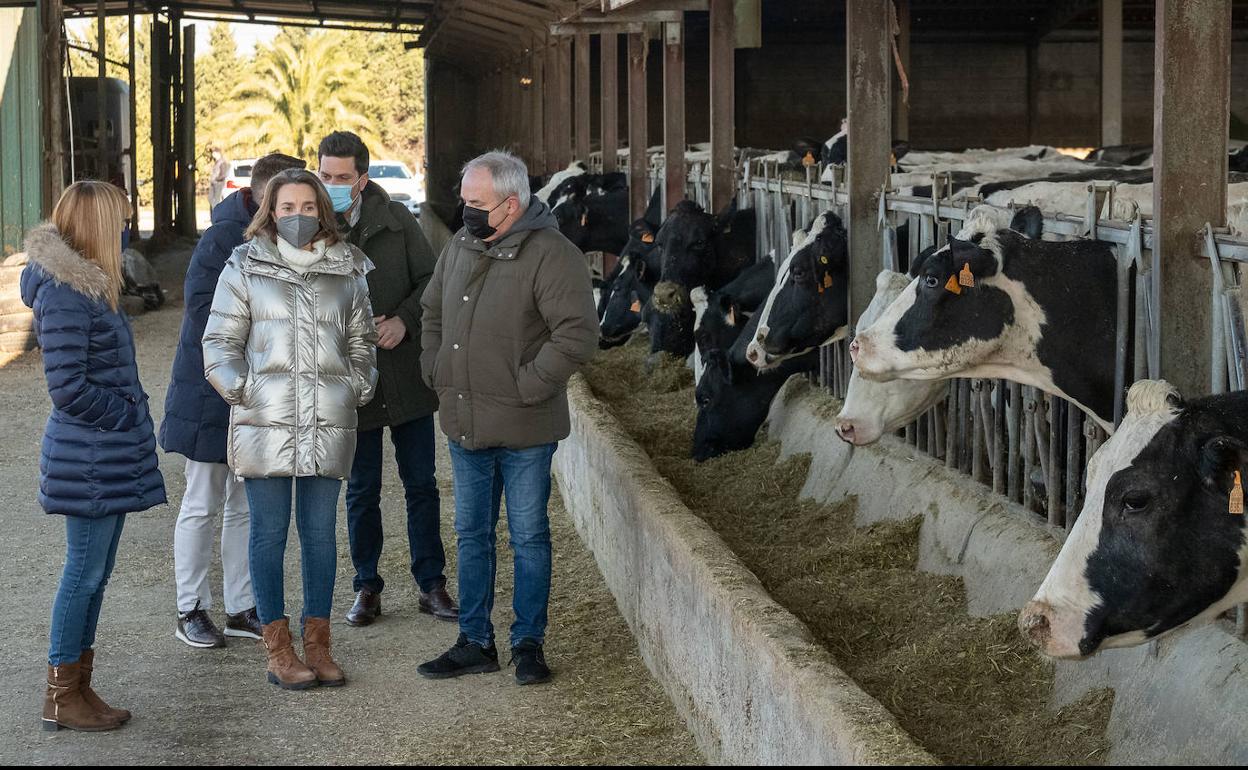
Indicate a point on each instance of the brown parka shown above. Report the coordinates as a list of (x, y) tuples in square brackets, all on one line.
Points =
[(505, 325)]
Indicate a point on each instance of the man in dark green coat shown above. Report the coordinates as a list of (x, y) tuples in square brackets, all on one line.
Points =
[(403, 263)]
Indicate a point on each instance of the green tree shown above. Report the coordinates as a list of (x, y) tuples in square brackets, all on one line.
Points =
[(302, 86), (217, 75)]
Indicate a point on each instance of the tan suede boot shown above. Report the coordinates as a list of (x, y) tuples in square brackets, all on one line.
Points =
[(317, 653), (86, 663), (285, 668), (64, 706)]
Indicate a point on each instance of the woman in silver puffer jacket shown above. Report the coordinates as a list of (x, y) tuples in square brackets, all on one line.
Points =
[(290, 345)]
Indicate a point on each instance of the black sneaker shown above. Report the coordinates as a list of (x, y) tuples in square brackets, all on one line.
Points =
[(464, 658), (530, 662), (197, 629), (245, 624)]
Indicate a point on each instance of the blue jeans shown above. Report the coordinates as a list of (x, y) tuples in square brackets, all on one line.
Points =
[(413, 453), (481, 477), (316, 513), (90, 552)]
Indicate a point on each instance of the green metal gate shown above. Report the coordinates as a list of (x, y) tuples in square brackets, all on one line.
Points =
[(21, 188)]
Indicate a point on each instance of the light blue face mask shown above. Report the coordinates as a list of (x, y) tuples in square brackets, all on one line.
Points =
[(340, 196)]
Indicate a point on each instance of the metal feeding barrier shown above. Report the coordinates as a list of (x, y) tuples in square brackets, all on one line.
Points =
[(1028, 446)]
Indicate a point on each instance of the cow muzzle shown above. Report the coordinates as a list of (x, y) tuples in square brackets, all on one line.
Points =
[(1049, 631), (854, 432), (668, 297)]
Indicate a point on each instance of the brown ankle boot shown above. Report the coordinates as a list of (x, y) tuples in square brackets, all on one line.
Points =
[(86, 663), (316, 652), (64, 705), (285, 668)]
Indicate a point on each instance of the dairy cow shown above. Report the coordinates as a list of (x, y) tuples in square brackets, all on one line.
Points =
[(1158, 544), (728, 309), (627, 302), (993, 303), (809, 303)]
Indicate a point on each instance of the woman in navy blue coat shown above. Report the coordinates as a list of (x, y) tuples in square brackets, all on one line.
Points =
[(98, 460)]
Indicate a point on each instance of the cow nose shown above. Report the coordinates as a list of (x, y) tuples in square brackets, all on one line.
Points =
[(1033, 623), (854, 347), (845, 429)]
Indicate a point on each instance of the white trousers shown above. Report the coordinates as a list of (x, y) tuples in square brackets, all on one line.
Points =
[(211, 487)]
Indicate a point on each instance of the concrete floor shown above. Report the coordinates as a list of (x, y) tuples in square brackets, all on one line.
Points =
[(214, 706)]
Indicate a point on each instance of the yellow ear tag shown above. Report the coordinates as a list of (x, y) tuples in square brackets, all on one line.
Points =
[(809, 159), (827, 280), (647, 238), (952, 285), (636, 308), (1237, 496), (823, 258), (966, 277)]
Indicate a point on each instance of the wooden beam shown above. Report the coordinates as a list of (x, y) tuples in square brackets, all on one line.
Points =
[(563, 103), (134, 127), (609, 75), (749, 14), (638, 168), (550, 107), (723, 103), (1190, 123), (867, 87), (185, 140), (582, 105), (567, 29), (590, 19), (1111, 72), (901, 109), (624, 7), (674, 113), (441, 11), (101, 95), (537, 161)]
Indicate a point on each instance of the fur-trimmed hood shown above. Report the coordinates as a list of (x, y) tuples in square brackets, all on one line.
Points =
[(50, 257)]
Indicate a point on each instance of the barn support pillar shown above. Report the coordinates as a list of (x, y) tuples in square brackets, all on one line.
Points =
[(562, 83), (901, 107), (537, 159), (133, 150), (550, 105), (1111, 72), (867, 75), (581, 106), (674, 113), (101, 91), (638, 165), (609, 74), (723, 103), (161, 107), (52, 98), (1190, 124), (184, 141)]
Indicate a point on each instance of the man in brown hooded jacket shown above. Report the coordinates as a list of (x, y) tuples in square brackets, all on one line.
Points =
[(508, 317)]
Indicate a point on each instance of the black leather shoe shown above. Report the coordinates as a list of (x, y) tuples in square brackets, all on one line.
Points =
[(197, 629), (439, 604), (530, 662), (366, 609), (464, 658)]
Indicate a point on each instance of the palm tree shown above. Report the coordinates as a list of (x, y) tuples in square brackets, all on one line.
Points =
[(301, 87)]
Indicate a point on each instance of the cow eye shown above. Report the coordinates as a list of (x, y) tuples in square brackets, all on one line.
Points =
[(1135, 502), (931, 282)]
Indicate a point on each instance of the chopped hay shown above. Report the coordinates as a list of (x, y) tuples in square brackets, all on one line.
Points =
[(970, 690)]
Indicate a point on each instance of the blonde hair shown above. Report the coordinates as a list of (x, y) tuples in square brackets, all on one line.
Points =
[(90, 216), (265, 223)]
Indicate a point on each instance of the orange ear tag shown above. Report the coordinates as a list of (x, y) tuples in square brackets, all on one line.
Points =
[(952, 285), (827, 280), (585, 219), (1237, 496), (636, 308), (647, 238), (966, 277), (809, 159)]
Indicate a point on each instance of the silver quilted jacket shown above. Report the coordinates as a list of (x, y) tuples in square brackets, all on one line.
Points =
[(294, 356)]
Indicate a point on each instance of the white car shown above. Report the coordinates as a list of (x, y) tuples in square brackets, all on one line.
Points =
[(239, 175), (399, 182)]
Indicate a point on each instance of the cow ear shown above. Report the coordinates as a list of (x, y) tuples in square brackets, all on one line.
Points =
[(720, 361), (1029, 221), (654, 212), (1220, 458), (969, 255), (723, 221), (916, 265)]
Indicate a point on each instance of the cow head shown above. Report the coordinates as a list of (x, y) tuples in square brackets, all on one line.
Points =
[(670, 331), (629, 296), (719, 324), (570, 182), (872, 409), (957, 312), (643, 232), (809, 303), (1156, 546), (573, 217), (686, 243), (727, 419)]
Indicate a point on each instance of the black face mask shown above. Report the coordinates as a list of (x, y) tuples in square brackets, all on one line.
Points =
[(477, 221)]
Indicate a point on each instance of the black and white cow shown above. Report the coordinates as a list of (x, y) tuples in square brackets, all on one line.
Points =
[(596, 220), (728, 309), (733, 401), (627, 303), (1156, 546), (640, 245), (808, 305), (993, 303)]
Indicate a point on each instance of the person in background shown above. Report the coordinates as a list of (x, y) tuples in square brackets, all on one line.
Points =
[(98, 458), (290, 345), (508, 317), (195, 425), (216, 180), (391, 237)]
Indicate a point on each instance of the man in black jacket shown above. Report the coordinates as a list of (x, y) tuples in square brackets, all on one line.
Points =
[(403, 263)]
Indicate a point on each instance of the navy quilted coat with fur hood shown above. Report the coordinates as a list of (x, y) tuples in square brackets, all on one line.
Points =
[(99, 450)]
